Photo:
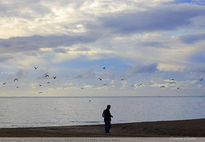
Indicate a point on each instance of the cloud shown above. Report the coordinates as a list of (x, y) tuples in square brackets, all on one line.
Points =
[(193, 38), (155, 19), (25, 9), (5, 58), (141, 69), (22, 44)]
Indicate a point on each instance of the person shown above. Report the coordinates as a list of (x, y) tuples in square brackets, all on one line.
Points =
[(107, 118)]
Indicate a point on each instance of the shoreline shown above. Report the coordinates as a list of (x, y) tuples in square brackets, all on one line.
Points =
[(176, 128)]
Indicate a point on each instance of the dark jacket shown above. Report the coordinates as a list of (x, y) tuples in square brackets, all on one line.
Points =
[(106, 114)]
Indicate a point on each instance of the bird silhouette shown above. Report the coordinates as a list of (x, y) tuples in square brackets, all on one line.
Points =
[(54, 77), (35, 68), (46, 75), (40, 85), (16, 80), (178, 88), (104, 68), (100, 78)]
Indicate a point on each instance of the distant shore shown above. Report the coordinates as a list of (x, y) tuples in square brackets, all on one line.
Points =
[(178, 128)]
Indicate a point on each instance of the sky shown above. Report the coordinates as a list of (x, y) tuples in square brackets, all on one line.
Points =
[(102, 48)]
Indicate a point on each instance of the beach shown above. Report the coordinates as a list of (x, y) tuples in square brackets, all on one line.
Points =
[(178, 128)]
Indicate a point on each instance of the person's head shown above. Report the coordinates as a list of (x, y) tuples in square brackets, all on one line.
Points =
[(108, 106)]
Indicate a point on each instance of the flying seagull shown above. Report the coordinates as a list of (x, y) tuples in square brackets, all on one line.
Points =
[(16, 79), (122, 79), (35, 68), (46, 75), (104, 68), (54, 77), (100, 78), (40, 85)]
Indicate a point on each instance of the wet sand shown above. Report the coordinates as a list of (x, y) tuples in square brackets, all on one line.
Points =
[(179, 128)]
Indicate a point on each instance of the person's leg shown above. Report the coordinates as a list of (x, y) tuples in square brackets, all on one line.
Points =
[(106, 127), (109, 126)]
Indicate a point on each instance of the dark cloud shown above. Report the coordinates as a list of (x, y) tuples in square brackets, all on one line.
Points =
[(82, 49), (4, 58), (193, 38), (24, 8), (141, 69), (60, 50), (155, 44), (155, 19), (22, 44)]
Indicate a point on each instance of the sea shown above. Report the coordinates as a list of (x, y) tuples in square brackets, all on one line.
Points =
[(18, 112)]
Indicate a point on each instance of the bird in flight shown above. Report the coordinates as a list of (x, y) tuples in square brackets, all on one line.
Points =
[(35, 68), (100, 78), (54, 77), (104, 68), (46, 75), (16, 79)]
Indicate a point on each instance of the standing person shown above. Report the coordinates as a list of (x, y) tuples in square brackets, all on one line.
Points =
[(107, 118)]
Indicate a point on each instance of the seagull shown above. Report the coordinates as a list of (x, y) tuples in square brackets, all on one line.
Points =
[(162, 86), (54, 77), (100, 78), (4, 83), (16, 79), (104, 68), (35, 68), (46, 75), (122, 79), (177, 88), (17, 87), (40, 85), (139, 84)]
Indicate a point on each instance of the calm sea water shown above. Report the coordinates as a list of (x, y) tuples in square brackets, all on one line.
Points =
[(33, 112)]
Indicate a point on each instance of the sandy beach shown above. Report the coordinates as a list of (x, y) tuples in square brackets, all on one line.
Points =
[(179, 128)]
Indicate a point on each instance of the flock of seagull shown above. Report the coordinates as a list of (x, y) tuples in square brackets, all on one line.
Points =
[(46, 75)]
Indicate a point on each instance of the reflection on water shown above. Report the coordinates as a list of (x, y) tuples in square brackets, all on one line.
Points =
[(27, 112)]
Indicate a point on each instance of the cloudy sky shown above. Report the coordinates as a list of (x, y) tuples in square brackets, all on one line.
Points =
[(102, 47)]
